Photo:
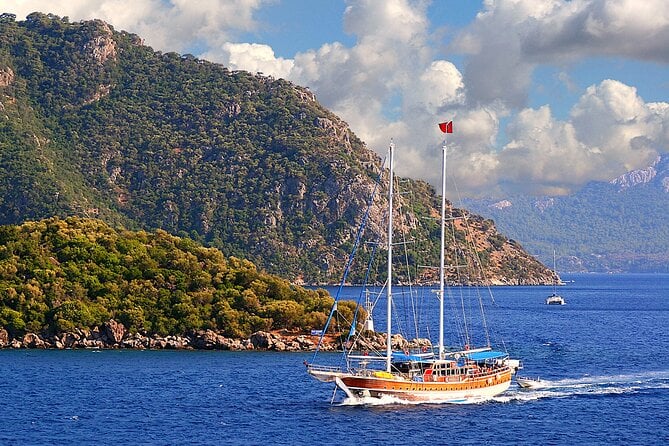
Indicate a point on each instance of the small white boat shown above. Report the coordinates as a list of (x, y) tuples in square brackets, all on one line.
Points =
[(530, 383), (554, 299)]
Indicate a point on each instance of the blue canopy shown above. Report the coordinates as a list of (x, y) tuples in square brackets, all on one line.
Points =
[(483, 356), (397, 356)]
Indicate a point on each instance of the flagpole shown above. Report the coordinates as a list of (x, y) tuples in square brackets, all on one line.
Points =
[(443, 247), (445, 127)]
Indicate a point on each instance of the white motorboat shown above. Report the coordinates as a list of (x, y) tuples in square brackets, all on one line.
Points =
[(531, 383)]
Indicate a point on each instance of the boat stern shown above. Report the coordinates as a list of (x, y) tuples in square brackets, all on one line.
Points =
[(514, 365), (324, 373)]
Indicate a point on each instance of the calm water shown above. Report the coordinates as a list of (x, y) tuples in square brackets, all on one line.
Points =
[(606, 351)]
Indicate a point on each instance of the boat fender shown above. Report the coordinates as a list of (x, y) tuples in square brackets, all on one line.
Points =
[(427, 376)]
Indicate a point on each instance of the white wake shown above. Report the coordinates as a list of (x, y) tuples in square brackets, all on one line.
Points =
[(589, 385)]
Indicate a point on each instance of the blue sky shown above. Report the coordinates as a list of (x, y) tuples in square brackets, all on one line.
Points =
[(292, 26), (546, 95)]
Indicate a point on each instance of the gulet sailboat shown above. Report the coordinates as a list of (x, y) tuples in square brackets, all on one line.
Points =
[(425, 374)]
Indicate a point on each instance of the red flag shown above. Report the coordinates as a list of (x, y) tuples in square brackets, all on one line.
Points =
[(446, 127)]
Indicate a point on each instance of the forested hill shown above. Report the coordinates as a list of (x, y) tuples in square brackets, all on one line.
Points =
[(57, 275), (96, 124)]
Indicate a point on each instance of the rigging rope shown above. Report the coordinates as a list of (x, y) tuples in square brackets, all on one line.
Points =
[(361, 230)]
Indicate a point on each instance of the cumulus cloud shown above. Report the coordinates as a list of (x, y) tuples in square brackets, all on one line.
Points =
[(629, 28), (441, 86), (509, 38), (174, 25), (610, 130), (251, 57)]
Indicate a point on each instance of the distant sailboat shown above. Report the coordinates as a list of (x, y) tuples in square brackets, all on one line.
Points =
[(555, 298), (459, 375)]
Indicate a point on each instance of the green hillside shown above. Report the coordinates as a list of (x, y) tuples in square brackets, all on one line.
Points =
[(95, 124), (57, 275)]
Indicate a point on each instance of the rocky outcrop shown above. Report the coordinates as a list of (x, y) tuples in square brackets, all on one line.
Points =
[(544, 203), (210, 340), (374, 341), (503, 204), (100, 92), (636, 177), (6, 77), (267, 341), (113, 335), (657, 172), (336, 130), (101, 47), (31, 340), (232, 109), (305, 94), (4, 338), (114, 331)]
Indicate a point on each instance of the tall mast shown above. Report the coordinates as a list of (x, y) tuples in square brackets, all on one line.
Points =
[(441, 251), (554, 274), (389, 346)]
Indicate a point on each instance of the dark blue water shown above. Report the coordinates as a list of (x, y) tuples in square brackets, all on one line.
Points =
[(606, 353)]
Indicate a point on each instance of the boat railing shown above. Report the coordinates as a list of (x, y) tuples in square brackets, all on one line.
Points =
[(323, 368), (368, 358)]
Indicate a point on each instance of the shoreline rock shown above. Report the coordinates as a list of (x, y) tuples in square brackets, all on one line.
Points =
[(112, 336)]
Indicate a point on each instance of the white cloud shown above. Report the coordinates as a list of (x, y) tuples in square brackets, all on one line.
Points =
[(612, 119), (543, 155), (440, 85), (610, 130), (393, 20), (168, 25), (496, 69), (511, 37), (251, 57), (628, 28)]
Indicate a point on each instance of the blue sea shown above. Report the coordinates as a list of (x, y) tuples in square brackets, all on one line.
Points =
[(605, 353)]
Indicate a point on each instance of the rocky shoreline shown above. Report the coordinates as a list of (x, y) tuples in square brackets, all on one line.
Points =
[(113, 335)]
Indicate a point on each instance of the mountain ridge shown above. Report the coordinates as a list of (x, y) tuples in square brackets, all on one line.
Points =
[(658, 171), (615, 226)]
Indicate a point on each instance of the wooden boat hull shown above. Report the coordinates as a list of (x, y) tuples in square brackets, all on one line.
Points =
[(471, 389)]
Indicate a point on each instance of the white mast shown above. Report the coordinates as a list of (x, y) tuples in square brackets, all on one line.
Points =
[(555, 276), (389, 346), (443, 247), (369, 306)]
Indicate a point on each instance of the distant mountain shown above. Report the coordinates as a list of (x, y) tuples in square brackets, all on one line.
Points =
[(93, 123), (620, 226)]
